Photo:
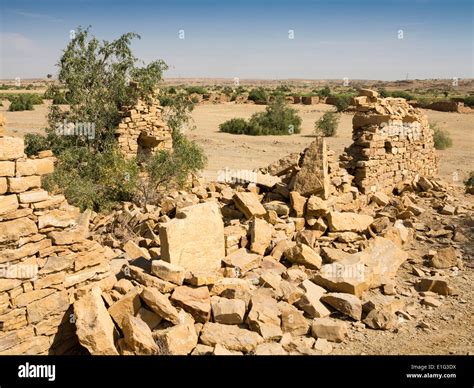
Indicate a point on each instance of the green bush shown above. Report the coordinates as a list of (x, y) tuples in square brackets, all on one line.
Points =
[(20, 103), (469, 101), (327, 125), (470, 181), (442, 140), (170, 169), (258, 95), (92, 173), (196, 89), (278, 119), (324, 92), (35, 143), (93, 180), (237, 126), (227, 90), (343, 101)]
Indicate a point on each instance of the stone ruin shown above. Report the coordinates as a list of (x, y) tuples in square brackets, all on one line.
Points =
[(45, 256), (247, 268), (142, 130), (392, 143)]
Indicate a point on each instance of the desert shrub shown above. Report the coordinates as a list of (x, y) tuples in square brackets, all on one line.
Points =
[(402, 94), (278, 119), (283, 89), (327, 125), (95, 75), (240, 90), (343, 101), (227, 90), (35, 143), (324, 92), (196, 89), (469, 101), (442, 140), (258, 95), (470, 180), (170, 169), (21, 102), (237, 126), (93, 180), (383, 93)]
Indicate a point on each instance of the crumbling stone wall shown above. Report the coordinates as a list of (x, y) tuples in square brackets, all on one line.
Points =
[(142, 130), (392, 143), (46, 259)]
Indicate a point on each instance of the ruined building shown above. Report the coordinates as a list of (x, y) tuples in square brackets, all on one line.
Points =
[(142, 130)]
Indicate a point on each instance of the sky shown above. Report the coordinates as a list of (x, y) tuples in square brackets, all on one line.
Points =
[(279, 39)]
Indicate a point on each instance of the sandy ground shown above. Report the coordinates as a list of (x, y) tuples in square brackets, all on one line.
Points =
[(248, 152)]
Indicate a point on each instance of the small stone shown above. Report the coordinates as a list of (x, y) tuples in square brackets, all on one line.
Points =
[(430, 301), (160, 304), (270, 349), (195, 301), (322, 345), (435, 284), (134, 251), (230, 336), (448, 210), (304, 255), (228, 311), (292, 320), (260, 235), (444, 258), (138, 336), (177, 340), (249, 205), (328, 328), (167, 271), (345, 303)]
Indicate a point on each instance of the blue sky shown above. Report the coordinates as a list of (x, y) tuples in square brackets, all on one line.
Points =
[(356, 39)]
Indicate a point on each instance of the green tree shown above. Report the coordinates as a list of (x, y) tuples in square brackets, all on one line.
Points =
[(95, 75)]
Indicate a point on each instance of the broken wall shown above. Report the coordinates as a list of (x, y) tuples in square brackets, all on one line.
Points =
[(142, 130), (46, 258), (393, 142)]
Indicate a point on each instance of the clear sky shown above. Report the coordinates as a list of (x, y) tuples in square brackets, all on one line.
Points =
[(357, 39)]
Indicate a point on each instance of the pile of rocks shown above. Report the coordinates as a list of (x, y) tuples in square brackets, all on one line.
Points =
[(252, 269), (142, 130), (45, 256), (392, 143)]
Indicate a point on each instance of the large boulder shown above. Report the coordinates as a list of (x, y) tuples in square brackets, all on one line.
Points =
[(194, 240)]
